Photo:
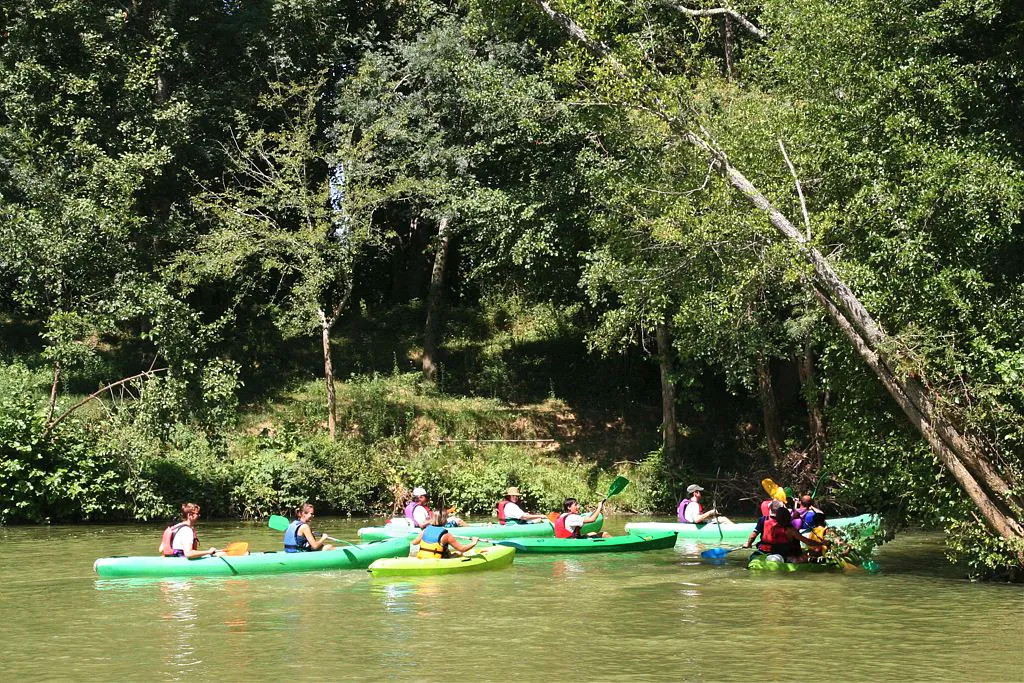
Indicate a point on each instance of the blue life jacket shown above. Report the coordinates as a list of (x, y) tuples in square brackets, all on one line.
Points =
[(293, 542), (431, 546)]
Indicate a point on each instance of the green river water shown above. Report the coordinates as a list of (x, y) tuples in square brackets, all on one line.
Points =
[(662, 615)]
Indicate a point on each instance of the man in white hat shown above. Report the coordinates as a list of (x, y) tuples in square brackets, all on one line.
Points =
[(417, 512), (690, 510), (509, 511)]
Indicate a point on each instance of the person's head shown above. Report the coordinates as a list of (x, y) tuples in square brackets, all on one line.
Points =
[(439, 517), (694, 491), (775, 506), (571, 505), (783, 516), (419, 494), (806, 501), (513, 494), (189, 511), (304, 512)]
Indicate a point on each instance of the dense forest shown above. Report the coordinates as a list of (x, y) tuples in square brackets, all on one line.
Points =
[(676, 238)]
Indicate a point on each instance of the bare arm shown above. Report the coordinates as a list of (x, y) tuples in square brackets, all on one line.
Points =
[(592, 517), (449, 539), (196, 554), (307, 534)]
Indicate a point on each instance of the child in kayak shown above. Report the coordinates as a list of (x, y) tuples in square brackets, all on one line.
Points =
[(779, 540), (570, 523), (298, 537), (181, 540), (435, 542)]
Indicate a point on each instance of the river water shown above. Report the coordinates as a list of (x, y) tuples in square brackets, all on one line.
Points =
[(662, 615)]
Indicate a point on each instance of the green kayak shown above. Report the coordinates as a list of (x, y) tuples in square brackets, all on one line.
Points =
[(759, 563), (616, 544), (730, 533), (486, 559), (345, 557), (398, 528)]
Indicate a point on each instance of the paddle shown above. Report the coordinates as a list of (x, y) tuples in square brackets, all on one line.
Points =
[(718, 553), (235, 549), (773, 490), (279, 523), (616, 488)]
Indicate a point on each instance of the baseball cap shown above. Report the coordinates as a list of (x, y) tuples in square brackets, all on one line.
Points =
[(419, 491), (693, 487)]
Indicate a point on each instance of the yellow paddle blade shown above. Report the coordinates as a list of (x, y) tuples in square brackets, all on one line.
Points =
[(773, 490), (235, 549), (553, 516)]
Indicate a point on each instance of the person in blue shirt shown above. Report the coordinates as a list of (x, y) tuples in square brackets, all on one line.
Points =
[(299, 538)]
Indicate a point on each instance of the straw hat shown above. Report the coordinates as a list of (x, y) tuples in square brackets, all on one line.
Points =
[(513, 491)]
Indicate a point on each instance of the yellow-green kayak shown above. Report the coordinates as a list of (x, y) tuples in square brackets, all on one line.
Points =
[(475, 561)]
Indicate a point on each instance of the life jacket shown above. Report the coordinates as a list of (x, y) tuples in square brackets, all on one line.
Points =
[(810, 519), (293, 542), (766, 507), (501, 510), (561, 531), (775, 541), (700, 511), (431, 546), (167, 540), (410, 508), (681, 510)]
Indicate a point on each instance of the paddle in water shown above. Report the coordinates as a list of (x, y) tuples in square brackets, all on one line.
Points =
[(718, 553), (280, 523)]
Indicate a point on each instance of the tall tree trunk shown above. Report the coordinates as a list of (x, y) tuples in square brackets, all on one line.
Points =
[(669, 423), (332, 409), (727, 45), (815, 406), (959, 454), (770, 410), (434, 302), (53, 391)]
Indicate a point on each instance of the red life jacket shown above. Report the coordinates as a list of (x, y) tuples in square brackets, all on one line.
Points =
[(561, 531), (766, 507), (775, 540), (501, 510), (167, 540)]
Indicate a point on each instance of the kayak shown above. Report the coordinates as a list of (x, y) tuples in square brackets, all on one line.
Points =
[(495, 557), (344, 557), (759, 563), (616, 544), (399, 528), (709, 533)]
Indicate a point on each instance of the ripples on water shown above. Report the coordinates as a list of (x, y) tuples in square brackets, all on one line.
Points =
[(664, 615)]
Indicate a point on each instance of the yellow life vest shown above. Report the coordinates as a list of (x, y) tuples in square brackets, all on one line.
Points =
[(431, 547)]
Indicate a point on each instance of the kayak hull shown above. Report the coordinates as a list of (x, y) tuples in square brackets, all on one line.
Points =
[(487, 559), (344, 557), (762, 565), (659, 540), (709, 533), (489, 531)]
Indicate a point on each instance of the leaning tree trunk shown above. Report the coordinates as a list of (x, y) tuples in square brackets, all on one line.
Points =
[(434, 302), (769, 410), (989, 489), (669, 423)]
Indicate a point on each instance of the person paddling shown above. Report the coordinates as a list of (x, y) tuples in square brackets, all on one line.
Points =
[(299, 538), (570, 523), (779, 540), (181, 540), (509, 511), (691, 511), (417, 512), (436, 542)]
